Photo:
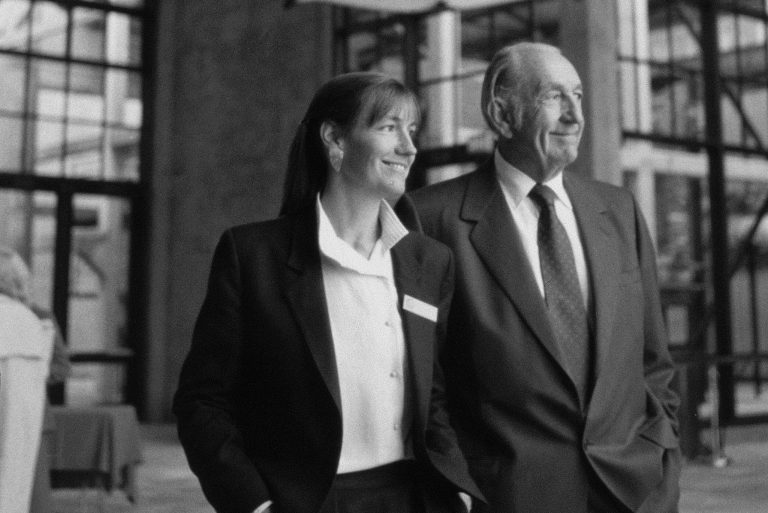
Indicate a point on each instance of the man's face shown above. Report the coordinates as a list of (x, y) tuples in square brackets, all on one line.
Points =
[(552, 121)]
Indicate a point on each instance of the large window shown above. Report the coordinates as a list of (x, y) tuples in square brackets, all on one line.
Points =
[(72, 76), (681, 129)]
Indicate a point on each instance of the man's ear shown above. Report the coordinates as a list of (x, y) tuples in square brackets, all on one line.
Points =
[(501, 117), (330, 134)]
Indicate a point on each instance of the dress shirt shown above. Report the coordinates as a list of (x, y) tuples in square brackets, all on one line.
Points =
[(525, 214), (369, 344)]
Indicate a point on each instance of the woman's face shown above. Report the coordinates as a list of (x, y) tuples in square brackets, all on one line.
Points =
[(377, 158)]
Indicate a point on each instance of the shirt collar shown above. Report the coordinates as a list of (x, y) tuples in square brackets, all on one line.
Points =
[(518, 184), (335, 248)]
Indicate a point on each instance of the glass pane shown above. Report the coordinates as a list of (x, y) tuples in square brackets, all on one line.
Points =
[(86, 79), (745, 193), (14, 24), (756, 107), (732, 118), (546, 15), (477, 38), (512, 24), (84, 158), (675, 229), (689, 106), (453, 104), (49, 140), (12, 72), (726, 29), (378, 52), (662, 88), (122, 154), (28, 225), (49, 28), (686, 31), (123, 96), (98, 293), (47, 83), (751, 32), (362, 51), (628, 101), (88, 34), (11, 135), (658, 20), (124, 39)]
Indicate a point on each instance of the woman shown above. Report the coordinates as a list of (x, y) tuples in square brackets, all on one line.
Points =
[(25, 348), (311, 384)]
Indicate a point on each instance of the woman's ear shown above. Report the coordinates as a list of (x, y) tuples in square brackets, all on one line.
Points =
[(334, 144), (330, 134)]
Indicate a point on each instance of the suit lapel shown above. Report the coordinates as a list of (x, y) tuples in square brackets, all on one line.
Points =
[(419, 332), (602, 260), (306, 295), (504, 256)]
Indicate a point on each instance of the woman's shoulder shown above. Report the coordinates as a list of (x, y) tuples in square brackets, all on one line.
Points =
[(429, 248)]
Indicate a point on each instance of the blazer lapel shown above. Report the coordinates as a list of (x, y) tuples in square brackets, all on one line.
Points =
[(419, 332), (306, 295), (602, 260), (504, 256)]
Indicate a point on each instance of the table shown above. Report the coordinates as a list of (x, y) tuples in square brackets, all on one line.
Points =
[(96, 446)]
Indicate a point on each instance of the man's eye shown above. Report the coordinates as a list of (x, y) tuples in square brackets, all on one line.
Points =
[(553, 96)]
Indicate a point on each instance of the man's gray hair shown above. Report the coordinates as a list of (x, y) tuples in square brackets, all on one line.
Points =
[(506, 79)]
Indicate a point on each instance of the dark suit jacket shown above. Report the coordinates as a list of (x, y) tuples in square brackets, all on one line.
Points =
[(528, 440), (258, 404)]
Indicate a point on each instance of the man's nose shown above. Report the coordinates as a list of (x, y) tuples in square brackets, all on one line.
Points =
[(571, 109)]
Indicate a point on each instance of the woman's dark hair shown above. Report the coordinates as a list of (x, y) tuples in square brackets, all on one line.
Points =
[(343, 100)]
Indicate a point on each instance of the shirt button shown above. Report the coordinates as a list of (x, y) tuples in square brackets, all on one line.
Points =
[(396, 427), (388, 324), (393, 374)]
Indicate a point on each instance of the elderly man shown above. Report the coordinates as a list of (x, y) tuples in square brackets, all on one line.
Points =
[(557, 361)]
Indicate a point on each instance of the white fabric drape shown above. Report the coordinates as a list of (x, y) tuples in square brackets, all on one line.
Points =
[(25, 350), (408, 6)]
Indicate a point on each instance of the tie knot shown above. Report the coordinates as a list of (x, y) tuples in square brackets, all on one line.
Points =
[(543, 196)]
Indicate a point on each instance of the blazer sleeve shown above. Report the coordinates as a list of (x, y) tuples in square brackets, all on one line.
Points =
[(659, 368), (441, 438), (206, 400)]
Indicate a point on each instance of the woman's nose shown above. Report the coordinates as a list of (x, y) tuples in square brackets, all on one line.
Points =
[(406, 146)]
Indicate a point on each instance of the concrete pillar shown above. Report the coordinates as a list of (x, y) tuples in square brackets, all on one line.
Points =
[(234, 78), (588, 40)]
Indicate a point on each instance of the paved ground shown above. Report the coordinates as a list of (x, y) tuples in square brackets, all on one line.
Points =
[(167, 486)]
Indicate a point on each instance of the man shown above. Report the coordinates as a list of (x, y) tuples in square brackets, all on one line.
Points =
[(557, 360)]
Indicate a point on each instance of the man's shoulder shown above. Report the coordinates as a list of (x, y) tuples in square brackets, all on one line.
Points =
[(613, 196), (445, 194)]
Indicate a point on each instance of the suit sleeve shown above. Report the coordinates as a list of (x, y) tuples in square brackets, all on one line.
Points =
[(659, 369), (441, 437), (206, 400)]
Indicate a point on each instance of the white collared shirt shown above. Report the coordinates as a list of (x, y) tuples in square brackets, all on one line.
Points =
[(369, 345), (516, 185)]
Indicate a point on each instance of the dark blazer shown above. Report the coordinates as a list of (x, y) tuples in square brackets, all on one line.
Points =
[(258, 404), (530, 444)]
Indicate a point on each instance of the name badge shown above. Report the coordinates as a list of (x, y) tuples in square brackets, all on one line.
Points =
[(420, 308)]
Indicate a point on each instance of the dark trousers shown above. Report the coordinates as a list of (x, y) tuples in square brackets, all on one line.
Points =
[(392, 488), (386, 489)]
